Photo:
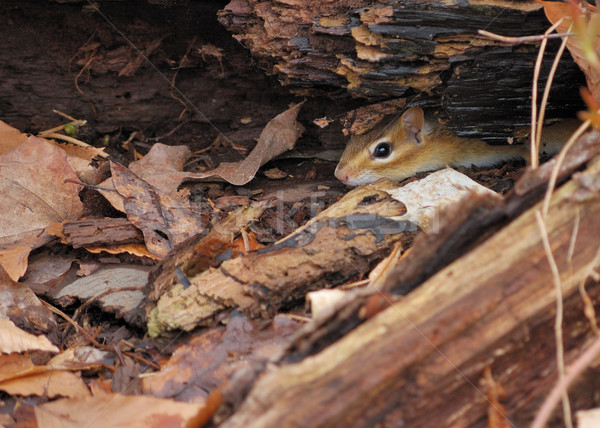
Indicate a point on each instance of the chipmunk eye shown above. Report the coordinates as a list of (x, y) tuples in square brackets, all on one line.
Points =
[(382, 150)]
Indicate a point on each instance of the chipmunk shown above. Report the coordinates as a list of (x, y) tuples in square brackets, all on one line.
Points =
[(413, 143)]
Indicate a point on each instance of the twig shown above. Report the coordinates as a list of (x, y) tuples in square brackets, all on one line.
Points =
[(76, 80), (523, 39), (559, 161), (588, 308), (67, 318), (558, 333), (549, 81), (92, 340), (580, 364), (74, 121), (181, 63), (72, 140), (107, 292), (534, 90), (162, 137)]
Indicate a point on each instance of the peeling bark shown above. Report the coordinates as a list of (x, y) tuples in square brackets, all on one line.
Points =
[(421, 363), (426, 53)]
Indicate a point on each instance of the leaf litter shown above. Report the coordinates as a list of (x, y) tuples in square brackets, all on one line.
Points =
[(201, 267), (44, 186)]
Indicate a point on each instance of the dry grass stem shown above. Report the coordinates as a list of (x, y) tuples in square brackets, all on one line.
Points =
[(534, 91), (540, 121), (558, 333), (523, 39), (580, 364), (560, 158)]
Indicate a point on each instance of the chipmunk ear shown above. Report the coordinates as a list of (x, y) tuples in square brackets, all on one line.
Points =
[(413, 120)]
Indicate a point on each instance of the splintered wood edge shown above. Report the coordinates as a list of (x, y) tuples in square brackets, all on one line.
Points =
[(461, 313), (259, 282)]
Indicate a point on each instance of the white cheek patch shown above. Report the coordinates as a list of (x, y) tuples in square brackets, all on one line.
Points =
[(364, 177)]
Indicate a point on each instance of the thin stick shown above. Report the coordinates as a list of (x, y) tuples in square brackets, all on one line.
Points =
[(558, 319), (92, 340), (580, 364), (549, 81), (559, 161), (75, 122), (523, 39), (534, 90), (66, 116), (70, 320), (72, 140)]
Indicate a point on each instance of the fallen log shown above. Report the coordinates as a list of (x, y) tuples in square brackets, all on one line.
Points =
[(428, 53), (334, 246), (425, 361)]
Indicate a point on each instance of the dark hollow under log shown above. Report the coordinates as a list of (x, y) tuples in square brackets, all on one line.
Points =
[(428, 53)]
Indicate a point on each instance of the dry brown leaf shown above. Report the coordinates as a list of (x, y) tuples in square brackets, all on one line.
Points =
[(210, 358), (275, 174), (13, 257), (36, 189), (80, 159), (116, 410), (107, 189), (142, 205), (164, 219), (162, 167), (58, 383), (56, 229), (19, 376), (81, 358), (13, 339), (47, 266), (135, 249), (21, 306), (14, 365), (279, 135), (10, 137), (557, 10)]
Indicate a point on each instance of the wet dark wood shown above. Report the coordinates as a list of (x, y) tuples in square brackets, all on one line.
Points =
[(424, 52), (65, 56)]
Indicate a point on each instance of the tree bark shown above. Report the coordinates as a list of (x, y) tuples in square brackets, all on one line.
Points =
[(428, 53), (421, 362)]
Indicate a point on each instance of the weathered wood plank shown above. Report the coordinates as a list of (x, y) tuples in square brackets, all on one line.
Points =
[(423, 358), (102, 231)]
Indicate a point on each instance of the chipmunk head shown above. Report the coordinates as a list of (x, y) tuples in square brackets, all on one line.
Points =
[(388, 151)]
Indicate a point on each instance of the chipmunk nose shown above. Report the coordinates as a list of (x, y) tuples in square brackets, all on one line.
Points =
[(341, 175)]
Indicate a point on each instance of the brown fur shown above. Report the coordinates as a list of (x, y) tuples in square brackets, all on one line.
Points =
[(418, 144)]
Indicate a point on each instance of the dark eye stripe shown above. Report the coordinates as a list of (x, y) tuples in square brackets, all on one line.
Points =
[(382, 150)]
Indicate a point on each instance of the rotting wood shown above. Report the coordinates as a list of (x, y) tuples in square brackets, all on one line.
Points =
[(200, 252), (337, 244), (465, 225), (389, 49), (102, 231), (422, 358)]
